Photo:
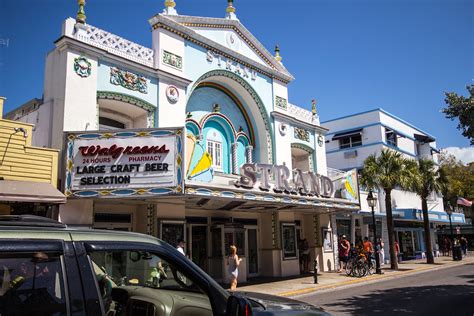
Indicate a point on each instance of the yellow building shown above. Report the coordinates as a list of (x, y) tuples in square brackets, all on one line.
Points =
[(28, 175)]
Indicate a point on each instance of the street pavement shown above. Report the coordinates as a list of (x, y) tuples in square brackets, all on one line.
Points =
[(447, 291), (294, 286)]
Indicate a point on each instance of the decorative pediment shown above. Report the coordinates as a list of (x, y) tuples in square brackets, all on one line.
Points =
[(226, 34)]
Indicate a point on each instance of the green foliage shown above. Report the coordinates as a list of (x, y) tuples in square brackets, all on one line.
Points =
[(459, 179), (388, 171), (462, 108), (426, 178)]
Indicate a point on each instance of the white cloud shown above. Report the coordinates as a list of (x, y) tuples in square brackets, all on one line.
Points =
[(466, 154)]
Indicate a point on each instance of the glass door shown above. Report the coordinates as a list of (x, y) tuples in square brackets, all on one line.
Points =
[(216, 262), (199, 246), (252, 251)]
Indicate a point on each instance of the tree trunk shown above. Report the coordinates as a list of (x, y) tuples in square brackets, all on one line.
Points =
[(391, 233), (426, 224)]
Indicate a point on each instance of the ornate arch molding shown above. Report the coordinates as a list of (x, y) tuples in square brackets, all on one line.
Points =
[(306, 148), (148, 107), (253, 94)]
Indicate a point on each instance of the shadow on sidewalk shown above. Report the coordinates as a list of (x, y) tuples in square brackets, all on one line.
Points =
[(265, 280), (422, 300)]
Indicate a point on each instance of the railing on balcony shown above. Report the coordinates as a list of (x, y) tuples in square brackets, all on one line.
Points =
[(302, 114), (116, 45)]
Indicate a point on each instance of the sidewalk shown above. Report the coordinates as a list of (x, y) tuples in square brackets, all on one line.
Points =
[(329, 280)]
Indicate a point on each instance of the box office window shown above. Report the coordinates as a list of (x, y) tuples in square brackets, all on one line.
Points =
[(288, 240)]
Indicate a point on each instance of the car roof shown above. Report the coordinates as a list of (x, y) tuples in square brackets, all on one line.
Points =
[(37, 227)]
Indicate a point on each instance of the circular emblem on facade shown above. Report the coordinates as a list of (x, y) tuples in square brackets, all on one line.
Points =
[(320, 140), (283, 129), (172, 94), (82, 67), (233, 41)]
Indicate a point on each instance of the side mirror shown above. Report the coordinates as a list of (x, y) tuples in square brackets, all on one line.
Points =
[(238, 306)]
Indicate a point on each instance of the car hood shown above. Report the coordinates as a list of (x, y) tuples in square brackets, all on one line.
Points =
[(278, 303)]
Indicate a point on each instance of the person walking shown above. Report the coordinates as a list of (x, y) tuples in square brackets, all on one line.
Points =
[(381, 252), (463, 242), (397, 251), (180, 246), (344, 248), (233, 262)]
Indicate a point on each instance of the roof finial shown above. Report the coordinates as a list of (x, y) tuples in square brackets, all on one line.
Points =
[(81, 15), (170, 7), (230, 10), (277, 53), (313, 107)]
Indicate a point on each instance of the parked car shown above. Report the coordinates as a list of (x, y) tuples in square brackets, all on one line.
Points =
[(47, 268)]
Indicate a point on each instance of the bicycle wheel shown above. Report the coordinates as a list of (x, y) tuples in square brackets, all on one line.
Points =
[(372, 266), (360, 269), (349, 266)]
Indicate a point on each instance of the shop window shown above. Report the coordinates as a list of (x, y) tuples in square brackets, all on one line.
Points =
[(288, 240), (214, 148), (391, 137), (170, 232), (32, 284), (350, 141)]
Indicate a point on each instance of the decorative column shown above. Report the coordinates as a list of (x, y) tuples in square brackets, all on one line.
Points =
[(150, 119), (334, 241), (235, 161), (310, 161), (151, 215), (274, 231), (248, 153)]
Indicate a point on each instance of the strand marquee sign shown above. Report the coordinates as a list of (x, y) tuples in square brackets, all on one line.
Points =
[(133, 163)]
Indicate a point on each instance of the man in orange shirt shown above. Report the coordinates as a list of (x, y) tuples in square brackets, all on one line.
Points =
[(368, 248)]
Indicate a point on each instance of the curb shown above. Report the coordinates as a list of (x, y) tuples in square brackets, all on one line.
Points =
[(370, 278)]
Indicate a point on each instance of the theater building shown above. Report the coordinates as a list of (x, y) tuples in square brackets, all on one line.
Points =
[(192, 138)]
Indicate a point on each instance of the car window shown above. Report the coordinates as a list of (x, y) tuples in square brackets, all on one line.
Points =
[(130, 270), (32, 284)]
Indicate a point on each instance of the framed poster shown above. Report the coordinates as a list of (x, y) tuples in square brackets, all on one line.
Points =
[(288, 240), (327, 240)]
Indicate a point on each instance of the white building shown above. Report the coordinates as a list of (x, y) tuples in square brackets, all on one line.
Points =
[(350, 140), (196, 139)]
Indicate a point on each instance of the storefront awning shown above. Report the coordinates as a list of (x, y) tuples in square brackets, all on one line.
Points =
[(26, 191), (354, 132), (424, 138)]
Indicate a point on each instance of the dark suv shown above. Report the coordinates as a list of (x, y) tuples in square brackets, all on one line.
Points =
[(49, 269)]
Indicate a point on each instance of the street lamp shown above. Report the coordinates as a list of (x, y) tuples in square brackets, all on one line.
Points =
[(372, 201), (449, 211)]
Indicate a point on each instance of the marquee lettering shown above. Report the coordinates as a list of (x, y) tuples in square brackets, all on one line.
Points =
[(304, 183), (115, 151)]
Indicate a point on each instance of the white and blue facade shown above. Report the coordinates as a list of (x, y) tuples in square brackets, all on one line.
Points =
[(213, 79), (350, 140)]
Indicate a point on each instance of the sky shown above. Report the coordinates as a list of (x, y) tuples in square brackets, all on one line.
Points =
[(349, 55)]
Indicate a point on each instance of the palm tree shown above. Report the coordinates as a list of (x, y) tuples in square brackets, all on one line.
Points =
[(427, 179), (387, 171)]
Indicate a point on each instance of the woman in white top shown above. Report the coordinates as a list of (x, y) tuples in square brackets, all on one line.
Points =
[(233, 262)]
